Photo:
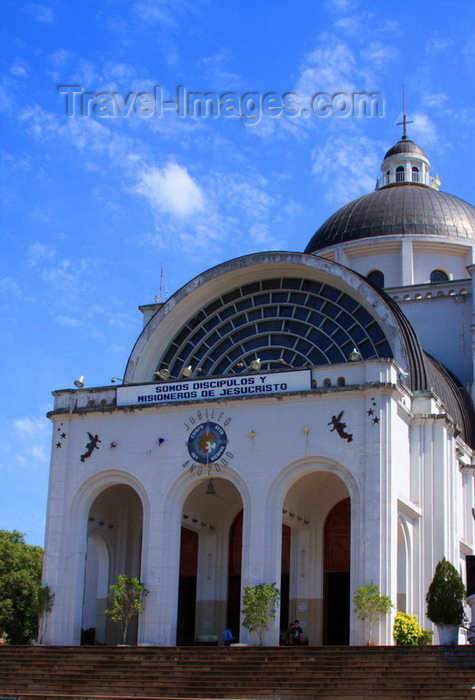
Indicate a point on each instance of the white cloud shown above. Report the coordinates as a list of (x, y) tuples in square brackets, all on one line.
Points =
[(349, 164), (40, 123), (351, 24), (33, 439), (342, 5), (436, 44), (219, 77), (329, 68), (18, 69), (60, 58), (379, 54), (10, 289), (239, 216), (423, 129), (155, 13), (262, 236), (163, 13), (41, 13), (434, 99), (37, 252), (171, 190), (68, 321)]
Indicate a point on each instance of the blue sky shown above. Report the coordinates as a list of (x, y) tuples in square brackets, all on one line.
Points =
[(94, 204)]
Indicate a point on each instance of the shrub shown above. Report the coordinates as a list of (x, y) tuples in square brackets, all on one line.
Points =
[(407, 630), (426, 637), (446, 595)]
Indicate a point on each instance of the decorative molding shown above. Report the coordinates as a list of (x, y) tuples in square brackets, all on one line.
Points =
[(408, 508)]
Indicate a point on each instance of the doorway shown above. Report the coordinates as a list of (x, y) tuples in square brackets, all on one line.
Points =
[(185, 635), (336, 601)]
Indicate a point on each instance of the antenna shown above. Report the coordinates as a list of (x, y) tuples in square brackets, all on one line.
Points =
[(161, 281), (404, 122), (160, 293)]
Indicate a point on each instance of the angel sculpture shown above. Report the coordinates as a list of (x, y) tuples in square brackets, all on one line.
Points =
[(90, 446), (340, 427)]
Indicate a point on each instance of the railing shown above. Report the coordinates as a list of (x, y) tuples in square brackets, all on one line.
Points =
[(398, 178)]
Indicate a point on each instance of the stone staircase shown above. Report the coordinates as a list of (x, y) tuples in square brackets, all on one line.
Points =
[(270, 673)]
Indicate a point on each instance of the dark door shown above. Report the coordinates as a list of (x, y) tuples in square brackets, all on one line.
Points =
[(338, 609), (185, 632), (336, 592), (234, 576), (285, 579)]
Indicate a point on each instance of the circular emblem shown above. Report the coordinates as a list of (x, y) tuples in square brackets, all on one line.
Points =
[(207, 442)]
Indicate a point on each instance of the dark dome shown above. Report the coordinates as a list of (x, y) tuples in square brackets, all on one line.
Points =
[(405, 209), (405, 146)]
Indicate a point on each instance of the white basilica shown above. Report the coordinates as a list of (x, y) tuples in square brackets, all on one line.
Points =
[(297, 418)]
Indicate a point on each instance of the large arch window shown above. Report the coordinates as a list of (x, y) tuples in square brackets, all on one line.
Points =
[(416, 177), (283, 322)]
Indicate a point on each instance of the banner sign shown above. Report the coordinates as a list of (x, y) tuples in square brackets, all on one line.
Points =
[(214, 388)]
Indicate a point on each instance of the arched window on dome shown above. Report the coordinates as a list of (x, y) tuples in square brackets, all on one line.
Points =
[(400, 173), (438, 276), (376, 277), (416, 177)]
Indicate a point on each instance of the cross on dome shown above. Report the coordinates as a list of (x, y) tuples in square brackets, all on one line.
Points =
[(404, 122)]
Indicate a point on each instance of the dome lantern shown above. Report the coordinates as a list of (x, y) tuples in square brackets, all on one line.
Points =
[(405, 163)]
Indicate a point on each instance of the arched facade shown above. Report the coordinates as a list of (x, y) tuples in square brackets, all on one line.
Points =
[(279, 421), (114, 546)]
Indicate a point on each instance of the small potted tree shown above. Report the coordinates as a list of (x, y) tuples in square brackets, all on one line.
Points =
[(370, 605), (259, 607), (126, 598), (45, 605), (444, 600)]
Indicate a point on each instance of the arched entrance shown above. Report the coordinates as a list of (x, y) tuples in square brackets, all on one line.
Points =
[(316, 511), (114, 546), (204, 599)]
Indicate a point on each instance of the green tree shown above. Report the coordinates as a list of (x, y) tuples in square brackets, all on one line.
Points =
[(370, 605), (126, 598), (259, 605), (20, 586), (446, 595)]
